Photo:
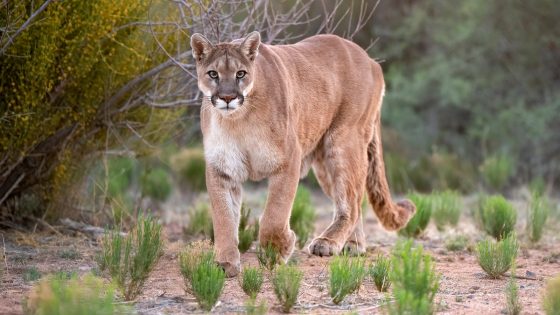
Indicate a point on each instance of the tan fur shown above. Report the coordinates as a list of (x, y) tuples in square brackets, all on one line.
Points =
[(315, 103)]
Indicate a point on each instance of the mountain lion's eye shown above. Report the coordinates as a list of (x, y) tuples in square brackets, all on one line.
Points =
[(213, 74), (241, 74)]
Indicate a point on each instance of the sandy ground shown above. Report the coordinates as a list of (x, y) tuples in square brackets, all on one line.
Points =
[(464, 288)]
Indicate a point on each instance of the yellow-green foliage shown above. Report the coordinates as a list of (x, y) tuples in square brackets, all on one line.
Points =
[(62, 69)]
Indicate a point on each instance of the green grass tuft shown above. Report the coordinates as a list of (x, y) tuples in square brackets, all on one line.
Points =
[(194, 254), (89, 295), (498, 216), (190, 165), (155, 183), (379, 272), (414, 279), (456, 243), (200, 221), (513, 306), (130, 259), (346, 275), (302, 219), (551, 299), (421, 218), (247, 232), (446, 209), (539, 209), (31, 274), (286, 282), (496, 258), (252, 308), (252, 280), (497, 170), (69, 254), (207, 283), (268, 256)]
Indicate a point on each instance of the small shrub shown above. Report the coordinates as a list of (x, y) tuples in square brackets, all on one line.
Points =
[(498, 216), (513, 306), (496, 258), (130, 259), (346, 275), (190, 165), (120, 172), (252, 308), (252, 280), (286, 282), (538, 213), (456, 243), (268, 256), (155, 184), (200, 221), (246, 232), (551, 299), (54, 295), (70, 254), (414, 279), (496, 171), (207, 283), (195, 253), (446, 209), (421, 218), (302, 218), (31, 274), (379, 272)]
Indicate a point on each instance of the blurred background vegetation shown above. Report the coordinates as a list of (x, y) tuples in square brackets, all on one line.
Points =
[(98, 99)]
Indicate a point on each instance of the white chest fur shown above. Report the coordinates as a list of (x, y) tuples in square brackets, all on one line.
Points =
[(240, 154)]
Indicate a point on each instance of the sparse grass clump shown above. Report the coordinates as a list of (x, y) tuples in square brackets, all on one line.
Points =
[(268, 256), (496, 171), (414, 279), (346, 275), (551, 299), (155, 183), (498, 216), (286, 282), (421, 218), (302, 219), (379, 272), (446, 209), (195, 253), (207, 283), (513, 306), (251, 281), (130, 259), (31, 274), (254, 308), (456, 243), (54, 295), (69, 254), (200, 221), (538, 213), (247, 232), (496, 258), (190, 165)]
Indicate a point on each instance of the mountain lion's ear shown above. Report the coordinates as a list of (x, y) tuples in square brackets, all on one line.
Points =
[(200, 45), (250, 45)]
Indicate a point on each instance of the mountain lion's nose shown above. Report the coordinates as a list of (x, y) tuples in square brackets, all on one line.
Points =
[(228, 98)]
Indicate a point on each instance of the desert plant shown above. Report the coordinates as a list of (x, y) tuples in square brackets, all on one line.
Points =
[(254, 308), (193, 255), (190, 165), (207, 283), (498, 216), (496, 258), (286, 282), (31, 274), (302, 218), (70, 254), (414, 279), (379, 272), (496, 170), (89, 295), (247, 233), (551, 299), (346, 275), (446, 208), (456, 243), (200, 221), (251, 281), (538, 214), (513, 306), (155, 184), (268, 256), (130, 259), (421, 218)]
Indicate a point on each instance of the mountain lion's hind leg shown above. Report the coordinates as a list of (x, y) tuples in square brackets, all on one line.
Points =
[(347, 162)]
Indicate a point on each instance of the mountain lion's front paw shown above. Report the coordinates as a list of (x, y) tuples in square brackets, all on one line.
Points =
[(324, 247)]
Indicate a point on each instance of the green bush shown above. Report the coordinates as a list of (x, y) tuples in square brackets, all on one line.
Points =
[(200, 221), (538, 213), (513, 306), (421, 218), (268, 256), (120, 173), (346, 275), (252, 280), (54, 295), (31, 274), (130, 259), (286, 282), (190, 165), (207, 283), (497, 170), (551, 299), (414, 279), (155, 184), (252, 308), (302, 218), (195, 254), (446, 208), (247, 233), (456, 243), (496, 258), (498, 216), (379, 272)]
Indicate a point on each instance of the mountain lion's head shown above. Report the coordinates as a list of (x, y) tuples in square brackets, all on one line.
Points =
[(226, 70)]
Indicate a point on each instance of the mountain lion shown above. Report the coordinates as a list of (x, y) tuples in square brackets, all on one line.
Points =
[(274, 111)]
